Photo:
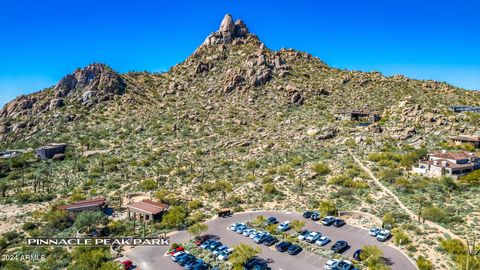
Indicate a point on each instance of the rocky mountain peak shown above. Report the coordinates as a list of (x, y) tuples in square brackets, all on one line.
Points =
[(89, 85), (228, 31), (95, 81)]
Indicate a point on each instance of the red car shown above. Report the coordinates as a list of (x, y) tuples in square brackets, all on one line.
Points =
[(199, 240), (177, 250), (127, 264)]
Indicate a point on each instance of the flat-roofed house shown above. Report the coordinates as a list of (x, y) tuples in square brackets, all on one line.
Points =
[(95, 204), (356, 115), (451, 164), (464, 139), (50, 150), (147, 210)]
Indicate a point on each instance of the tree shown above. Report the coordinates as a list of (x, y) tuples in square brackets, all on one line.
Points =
[(4, 186), (297, 225), (424, 264), (224, 187), (327, 208), (388, 219), (241, 254), (372, 257), (88, 219), (251, 165), (175, 217), (471, 178), (320, 168), (196, 229), (89, 258), (434, 214), (400, 237), (148, 184), (260, 221)]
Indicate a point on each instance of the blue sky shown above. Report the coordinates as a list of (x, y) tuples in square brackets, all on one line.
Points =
[(40, 41)]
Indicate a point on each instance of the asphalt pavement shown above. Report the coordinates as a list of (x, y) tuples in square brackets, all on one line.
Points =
[(152, 258)]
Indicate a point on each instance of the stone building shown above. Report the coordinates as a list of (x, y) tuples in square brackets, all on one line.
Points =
[(147, 210)]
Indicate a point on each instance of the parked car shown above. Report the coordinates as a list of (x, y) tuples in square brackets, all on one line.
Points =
[(271, 220), (219, 250), (199, 240), (328, 220), (356, 254), (249, 231), (322, 241), (252, 235), (307, 214), (270, 240), (344, 265), (262, 265), (241, 228), (284, 226), (338, 222), (224, 255), (294, 249), (315, 216), (339, 246), (178, 255), (302, 234), (234, 226), (374, 231), (214, 246), (259, 238), (250, 263), (175, 250), (330, 264), (127, 264), (186, 259), (383, 235), (207, 243), (283, 246), (312, 237), (194, 263), (202, 266)]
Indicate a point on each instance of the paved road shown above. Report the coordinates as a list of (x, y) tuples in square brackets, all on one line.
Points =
[(151, 258)]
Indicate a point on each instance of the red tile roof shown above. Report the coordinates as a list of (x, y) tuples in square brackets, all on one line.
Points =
[(464, 138), (454, 155), (149, 206), (100, 201)]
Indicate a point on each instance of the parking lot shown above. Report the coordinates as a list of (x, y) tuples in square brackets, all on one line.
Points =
[(148, 258)]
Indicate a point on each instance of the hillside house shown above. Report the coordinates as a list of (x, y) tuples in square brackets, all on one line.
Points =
[(451, 164), (50, 150), (95, 204), (463, 139), (459, 109), (147, 210), (356, 115)]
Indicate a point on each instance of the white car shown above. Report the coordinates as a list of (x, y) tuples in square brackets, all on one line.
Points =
[(176, 254), (330, 263), (249, 231), (383, 235), (374, 231), (234, 226), (312, 237), (252, 235), (303, 234), (219, 250), (284, 226), (322, 241), (223, 256)]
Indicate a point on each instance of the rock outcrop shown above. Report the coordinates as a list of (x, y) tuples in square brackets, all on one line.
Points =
[(227, 32), (92, 84)]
